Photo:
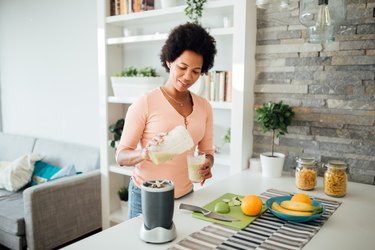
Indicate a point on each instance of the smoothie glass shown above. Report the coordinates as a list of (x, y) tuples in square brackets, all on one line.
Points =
[(194, 161)]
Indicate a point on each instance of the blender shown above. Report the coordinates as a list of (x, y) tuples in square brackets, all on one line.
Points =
[(157, 209)]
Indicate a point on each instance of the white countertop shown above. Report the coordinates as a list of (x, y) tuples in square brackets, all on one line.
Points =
[(352, 226)]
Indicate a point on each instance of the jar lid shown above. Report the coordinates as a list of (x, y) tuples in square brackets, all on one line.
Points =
[(336, 164), (306, 160)]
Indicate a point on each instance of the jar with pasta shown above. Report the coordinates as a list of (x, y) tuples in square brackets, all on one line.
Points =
[(306, 173), (335, 179)]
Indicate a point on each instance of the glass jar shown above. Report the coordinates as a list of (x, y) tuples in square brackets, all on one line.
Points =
[(306, 173), (335, 179)]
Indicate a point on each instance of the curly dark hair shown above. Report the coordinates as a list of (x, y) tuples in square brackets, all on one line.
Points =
[(192, 37)]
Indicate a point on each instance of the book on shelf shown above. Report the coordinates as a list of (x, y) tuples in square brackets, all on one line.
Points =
[(136, 5), (207, 85), (112, 8), (130, 4), (228, 86), (118, 7), (123, 7), (218, 86), (212, 85), (221, 87)]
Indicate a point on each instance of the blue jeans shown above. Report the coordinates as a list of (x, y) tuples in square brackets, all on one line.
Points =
[(135, 200)]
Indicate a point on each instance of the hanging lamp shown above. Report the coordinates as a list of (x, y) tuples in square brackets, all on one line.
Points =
[(321, 17)]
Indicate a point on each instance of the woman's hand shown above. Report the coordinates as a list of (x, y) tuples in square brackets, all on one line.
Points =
[(156, 140), (205, 169), (127, 157)]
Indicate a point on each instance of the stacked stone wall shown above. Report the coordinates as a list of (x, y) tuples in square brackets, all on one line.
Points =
[(330, 86)]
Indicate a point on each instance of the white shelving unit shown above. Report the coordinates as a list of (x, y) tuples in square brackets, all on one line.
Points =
[(236, 52)]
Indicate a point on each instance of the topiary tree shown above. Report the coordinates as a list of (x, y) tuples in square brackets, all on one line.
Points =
[(276, 117)]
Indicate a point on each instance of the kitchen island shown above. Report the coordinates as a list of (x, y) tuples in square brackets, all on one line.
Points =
[(352, 225)]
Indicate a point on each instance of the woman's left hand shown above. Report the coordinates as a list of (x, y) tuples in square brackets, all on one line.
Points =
[(205, 169)]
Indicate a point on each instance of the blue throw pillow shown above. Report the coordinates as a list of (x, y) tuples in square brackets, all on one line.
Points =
[(43, 172)]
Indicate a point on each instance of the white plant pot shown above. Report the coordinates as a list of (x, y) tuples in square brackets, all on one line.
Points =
[(124, 208), (272, 166), (134, 86)]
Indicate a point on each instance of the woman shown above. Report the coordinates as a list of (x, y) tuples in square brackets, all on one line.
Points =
[(188, 53)]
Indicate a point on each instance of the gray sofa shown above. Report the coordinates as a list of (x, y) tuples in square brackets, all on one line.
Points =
[(49, 215)]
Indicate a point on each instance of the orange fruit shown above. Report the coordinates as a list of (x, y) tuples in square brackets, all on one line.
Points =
[(302, 198), (251, 205)]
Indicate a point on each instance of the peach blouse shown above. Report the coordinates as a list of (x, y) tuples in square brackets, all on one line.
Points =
[(152, 114)]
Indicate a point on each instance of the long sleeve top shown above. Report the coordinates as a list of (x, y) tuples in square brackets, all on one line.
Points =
[(152, 114)]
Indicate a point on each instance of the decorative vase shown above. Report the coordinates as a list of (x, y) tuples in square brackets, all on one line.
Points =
[(272, 166)]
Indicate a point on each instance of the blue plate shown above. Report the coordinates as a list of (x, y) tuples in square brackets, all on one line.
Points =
[(294, 218)]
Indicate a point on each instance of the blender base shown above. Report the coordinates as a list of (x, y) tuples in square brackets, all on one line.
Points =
[(158, 234)]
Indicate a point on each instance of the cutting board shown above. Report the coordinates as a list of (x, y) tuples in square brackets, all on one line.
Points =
[(235, 211)]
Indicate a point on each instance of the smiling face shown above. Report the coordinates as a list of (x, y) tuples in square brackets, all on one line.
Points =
[(185, 70)]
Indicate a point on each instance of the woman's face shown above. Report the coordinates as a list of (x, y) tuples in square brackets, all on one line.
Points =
[(185, 70)]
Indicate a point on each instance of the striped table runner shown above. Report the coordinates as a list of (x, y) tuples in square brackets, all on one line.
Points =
[(266, 232)]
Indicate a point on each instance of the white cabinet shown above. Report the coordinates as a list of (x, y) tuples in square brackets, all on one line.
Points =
[(145, 33)]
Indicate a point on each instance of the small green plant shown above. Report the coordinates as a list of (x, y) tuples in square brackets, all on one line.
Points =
[(226, 137), (276, 117), (194, 10), (116, 130), (134, 72), (123, 193)]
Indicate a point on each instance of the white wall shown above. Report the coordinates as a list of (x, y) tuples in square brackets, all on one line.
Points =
[(48, 69)]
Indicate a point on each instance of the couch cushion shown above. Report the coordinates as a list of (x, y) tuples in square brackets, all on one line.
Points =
[(12, 241), (43, 172), (11, 213), (57, 153), (13, 146), (66, 171), (16, 174)]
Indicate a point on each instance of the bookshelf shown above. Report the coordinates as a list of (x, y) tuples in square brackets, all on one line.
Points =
[(236, 53)]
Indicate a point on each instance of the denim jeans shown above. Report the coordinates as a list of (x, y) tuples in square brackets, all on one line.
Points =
[(135, 202)]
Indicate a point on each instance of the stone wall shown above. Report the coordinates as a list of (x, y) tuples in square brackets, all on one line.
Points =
[(330, 86)]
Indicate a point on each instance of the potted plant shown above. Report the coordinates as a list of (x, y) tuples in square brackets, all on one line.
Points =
[(123, 194), (275, 117), (116, 130), (194, 10), (133, 82), (225, 140), (226, 137)]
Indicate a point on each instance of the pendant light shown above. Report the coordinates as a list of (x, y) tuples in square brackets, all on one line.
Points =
[(272, 4), (321, 17)]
